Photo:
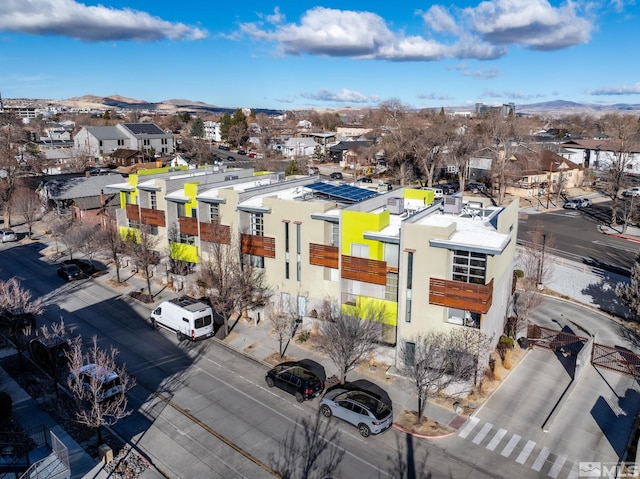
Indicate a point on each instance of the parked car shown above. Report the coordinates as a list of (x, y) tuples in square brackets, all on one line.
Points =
[(576, 203), (295, 378), (223, 147), (448, 188), (336, 175), (242, 152), (358, 407), (231, 158), (17, 322), (635, 191), (106, 383), (474, 186), (49, 351), (364, 179), (7, 234), (251, 154), (69, 272)]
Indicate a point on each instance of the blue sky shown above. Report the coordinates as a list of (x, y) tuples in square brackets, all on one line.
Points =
[(299, 54)]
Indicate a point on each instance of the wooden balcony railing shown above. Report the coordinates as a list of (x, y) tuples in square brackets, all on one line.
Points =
[(324, 255), (258, 245), (152, 217), (364, 269), (476, 298), (215, 233), (188, 226), (132, 212)]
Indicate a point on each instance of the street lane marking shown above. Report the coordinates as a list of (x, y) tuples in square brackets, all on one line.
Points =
[(496, 439), (508, 449), (557, 466), (483, 432), (524, 454), (537, 465), (464, 432)]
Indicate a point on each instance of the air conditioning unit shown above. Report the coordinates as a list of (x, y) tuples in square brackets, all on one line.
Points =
[(395, 206), (453, 204)]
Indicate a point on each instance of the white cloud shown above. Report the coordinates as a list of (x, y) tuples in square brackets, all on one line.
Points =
[(482, 73), (616, 90), (511, 95), (532, 23), (276, 17), (434, 96), (343, 96), (440, 20), (89, 23)]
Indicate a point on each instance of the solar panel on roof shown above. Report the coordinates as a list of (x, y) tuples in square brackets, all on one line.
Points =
[(345, 192), (144, 128)]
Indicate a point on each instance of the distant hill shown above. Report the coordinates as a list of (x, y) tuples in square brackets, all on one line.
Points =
[(563, 107)]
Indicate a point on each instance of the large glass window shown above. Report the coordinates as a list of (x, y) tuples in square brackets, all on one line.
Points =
[(153, 202), (214, 212), (257, 224), (180, 210), (335, 234), (469, 267), (391, 289)]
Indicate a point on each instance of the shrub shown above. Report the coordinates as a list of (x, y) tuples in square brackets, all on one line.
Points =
[(519, 273), (6, 405)]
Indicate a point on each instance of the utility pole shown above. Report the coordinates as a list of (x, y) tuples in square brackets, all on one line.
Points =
[(549, 183)]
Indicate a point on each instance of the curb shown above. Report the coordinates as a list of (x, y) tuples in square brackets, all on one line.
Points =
[(418, 435)]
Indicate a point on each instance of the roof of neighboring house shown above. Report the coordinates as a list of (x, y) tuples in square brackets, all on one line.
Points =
[(603, 145), (79, 187), (124, 153), (543, 161), (92, 202), (350, 145), (106, 132), (144, 128)]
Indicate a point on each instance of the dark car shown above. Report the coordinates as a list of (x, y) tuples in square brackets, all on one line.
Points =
[(17, 322), (49, 351), (336, 175), (365, 179), (231, 158), (295, 378), (363, 409), (223, 147), (70, 272), (242, 152)]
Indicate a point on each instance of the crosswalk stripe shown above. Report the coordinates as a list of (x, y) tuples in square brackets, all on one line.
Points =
[(557, 466), (524, 454), (573, 474), (508, 449), (468, 427), (539, 462), (483, 432), (496, 439)]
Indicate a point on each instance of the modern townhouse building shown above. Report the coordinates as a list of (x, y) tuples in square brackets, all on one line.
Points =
[(428, 265), (100, 141)]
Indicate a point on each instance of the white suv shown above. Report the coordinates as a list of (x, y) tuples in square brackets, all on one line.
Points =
[(635, 191)]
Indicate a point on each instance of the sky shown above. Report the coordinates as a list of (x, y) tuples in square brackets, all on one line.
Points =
[(335, 54)]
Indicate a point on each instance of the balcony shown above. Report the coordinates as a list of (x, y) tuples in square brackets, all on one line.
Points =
[(152, 217), (188, 226), (476, 298), (258, 245), (323, 255), (364, 269), (215, 233)]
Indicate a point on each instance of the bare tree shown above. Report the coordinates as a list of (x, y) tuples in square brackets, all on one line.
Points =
[(56, 342), (141, 246), (311, 450), (283, 316), (65, 231), (78, 161), (537, 270), (231, 286), (435, 361), (87, 237), (10, 164), (629, 293), (348, 334), (19, 311), (112, 243), (28, 204), (623, 130), (93, 408)]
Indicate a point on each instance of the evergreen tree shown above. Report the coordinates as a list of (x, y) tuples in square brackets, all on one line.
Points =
[(629, 293)]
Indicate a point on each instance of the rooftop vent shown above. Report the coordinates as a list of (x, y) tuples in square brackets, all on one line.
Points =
[(453, 204)]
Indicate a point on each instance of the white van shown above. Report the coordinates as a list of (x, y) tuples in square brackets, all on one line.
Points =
[(437, 192), (187, 317)]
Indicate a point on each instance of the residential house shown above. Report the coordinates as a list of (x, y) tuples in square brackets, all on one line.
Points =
[(598, 154), (100, 141)]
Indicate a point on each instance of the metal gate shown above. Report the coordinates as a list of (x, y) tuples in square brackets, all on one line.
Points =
[(615, 359), (558, 341)]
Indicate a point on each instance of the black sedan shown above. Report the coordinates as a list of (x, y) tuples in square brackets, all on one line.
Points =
[(295, 378), (69, 272)]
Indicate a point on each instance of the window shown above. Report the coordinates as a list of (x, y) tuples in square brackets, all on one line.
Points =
[(286, 249), (391, 288), (127, 197), (180, 210), (335, 234), (214, 212), (186, 239), (298, 251), (409, 352), (194, 212), (410, 270), (391, 254), (134, 224), (469, 267), (257, 224), (153, 201)]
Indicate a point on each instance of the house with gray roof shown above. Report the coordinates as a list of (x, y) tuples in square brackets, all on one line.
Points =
[(100, 141)]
